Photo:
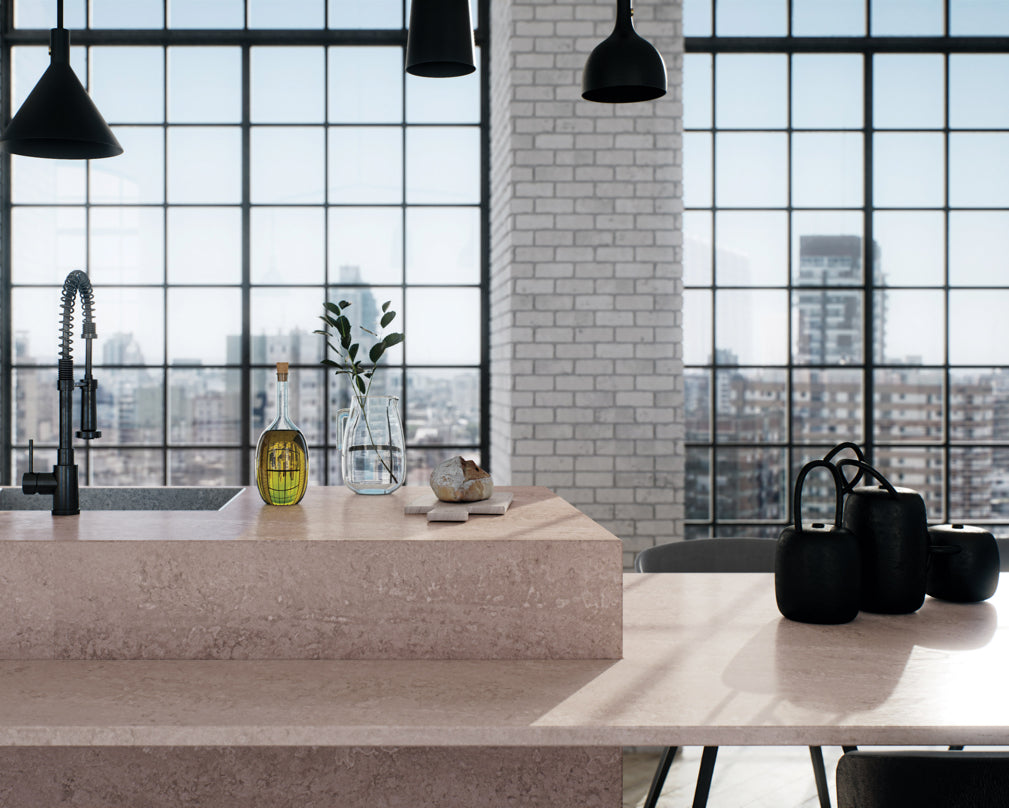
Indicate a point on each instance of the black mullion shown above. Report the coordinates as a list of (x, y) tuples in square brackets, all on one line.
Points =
[(485, 310), (165, 397), (404, 403), (845, 44), (946, 376), (789, 370), (245, 394), (713, 514), (868, 264), (325, 258), (6, 326)]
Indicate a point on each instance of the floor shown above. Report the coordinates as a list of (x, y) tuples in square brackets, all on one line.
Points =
[(745, 777)]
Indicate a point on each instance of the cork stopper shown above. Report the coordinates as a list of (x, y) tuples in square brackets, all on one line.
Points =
[(281, 371)]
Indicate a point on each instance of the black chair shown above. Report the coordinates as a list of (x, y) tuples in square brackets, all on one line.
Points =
[(924, 779), (714, 555)]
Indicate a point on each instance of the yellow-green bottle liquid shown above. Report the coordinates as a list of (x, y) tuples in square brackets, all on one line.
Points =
[(282, 454)]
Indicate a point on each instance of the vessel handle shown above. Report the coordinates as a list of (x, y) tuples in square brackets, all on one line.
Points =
[(341, 423), (797, 494)]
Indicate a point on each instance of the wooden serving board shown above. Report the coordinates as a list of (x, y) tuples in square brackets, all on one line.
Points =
[(438, 511)]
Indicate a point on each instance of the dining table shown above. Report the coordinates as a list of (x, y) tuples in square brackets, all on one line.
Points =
[(707, 661)]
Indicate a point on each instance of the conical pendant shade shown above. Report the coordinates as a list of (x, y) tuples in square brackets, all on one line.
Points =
[(439, 43), (624, 67), (58, 119)]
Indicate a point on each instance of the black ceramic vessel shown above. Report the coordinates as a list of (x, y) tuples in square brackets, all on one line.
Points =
[(893, 542), (816, 566), (964, 564)]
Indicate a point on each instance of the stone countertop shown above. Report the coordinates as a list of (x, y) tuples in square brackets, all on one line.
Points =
[(326, 513), (707, 661)]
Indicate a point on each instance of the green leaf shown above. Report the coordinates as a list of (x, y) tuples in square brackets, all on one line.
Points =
[(353, 350), (331, 307), (385, 306), (376, 352), (344, 304), (387, 318), (360, 384), (332, 363), (395, 338)]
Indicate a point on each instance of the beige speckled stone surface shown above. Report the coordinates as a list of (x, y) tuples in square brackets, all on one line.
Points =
[(340, 576), (268, 777), (708, 661)]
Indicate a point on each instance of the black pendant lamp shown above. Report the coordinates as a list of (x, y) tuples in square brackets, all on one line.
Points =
[(624, 67), (439, 43), (58, 119)]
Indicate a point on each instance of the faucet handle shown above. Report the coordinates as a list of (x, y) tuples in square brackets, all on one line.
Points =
[(31, 456)]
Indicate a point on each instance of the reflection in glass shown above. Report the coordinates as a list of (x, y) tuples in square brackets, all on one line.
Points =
[(751, 18), (909, 170), (204, 164), (977, 397), (288, 164), (697, 320), (204, 245), (978, 17), (136, 175), (47, 181), (443, 407), (908, 406), (373, 14), (697, 404), (970, 99), (365, 85), (752, 169), (274, 75), (836, 18), (443, 326), (697, 239), (750, 483), (826, 91), (443, 245), (306, 387), (388, 381), (130, 400), (826, 407), (910, 326), (365, 165), (41, 14), (288, 245), (125, 466), (697, 156), (203, 14), (826, 248), (287, 13), (126, 14), (908, 91), (918, 468), (128, 84), (204, 467), (37, 403), (970, 343), (456, 101), (978, 169), (282, 322), (368, 242), (751, 91), (44, 242), (751, 326), (751, 248), (443, 165), (906, 18), (827, 322), (204, 325), (697, 80), (751, 405), (911, 246), (127, 245), (204, 85), (203, 405), (698, 483), (827, 169), (978, 244)]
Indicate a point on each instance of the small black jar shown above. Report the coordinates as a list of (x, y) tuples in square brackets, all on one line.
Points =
[(964, 563)]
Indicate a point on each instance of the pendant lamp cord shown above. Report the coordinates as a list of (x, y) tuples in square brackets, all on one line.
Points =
[(59, 13)]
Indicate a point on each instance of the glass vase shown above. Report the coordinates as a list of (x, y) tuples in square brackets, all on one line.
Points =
[(372, 446)]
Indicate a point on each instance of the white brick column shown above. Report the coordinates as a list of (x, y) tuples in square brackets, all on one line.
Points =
[(586, 280)]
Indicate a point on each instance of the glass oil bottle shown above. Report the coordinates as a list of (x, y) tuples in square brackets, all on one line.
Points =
[(282, 454)]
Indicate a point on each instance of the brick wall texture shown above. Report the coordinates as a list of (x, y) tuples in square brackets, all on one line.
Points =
[(586, 273)]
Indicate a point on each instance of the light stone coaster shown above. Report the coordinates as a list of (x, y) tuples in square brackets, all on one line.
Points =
[(438, 511)]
